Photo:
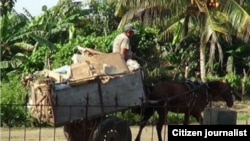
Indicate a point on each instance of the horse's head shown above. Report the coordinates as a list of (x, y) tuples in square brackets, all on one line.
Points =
[(222, 89)]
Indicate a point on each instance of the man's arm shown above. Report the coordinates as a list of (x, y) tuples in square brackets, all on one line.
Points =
[(125, 53)]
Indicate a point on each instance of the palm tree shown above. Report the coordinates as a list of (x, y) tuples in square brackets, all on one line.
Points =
[(210, 19)]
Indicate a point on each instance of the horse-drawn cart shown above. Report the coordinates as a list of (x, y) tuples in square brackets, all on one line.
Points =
[(88, 104)]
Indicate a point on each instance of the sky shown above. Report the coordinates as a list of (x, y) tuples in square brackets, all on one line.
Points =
[(33, 6)]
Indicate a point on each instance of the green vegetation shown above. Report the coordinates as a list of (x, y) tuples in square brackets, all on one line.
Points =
[(212, 42)]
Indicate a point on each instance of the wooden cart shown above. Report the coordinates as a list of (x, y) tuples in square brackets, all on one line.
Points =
[(89, 104)]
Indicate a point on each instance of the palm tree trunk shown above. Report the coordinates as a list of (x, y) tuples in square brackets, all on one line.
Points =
[(202, 48), (202, 61), (230, 64)]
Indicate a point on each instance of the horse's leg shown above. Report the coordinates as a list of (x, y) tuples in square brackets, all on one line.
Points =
[(68, 131), (162, 117), (146, 115), (197, 115), (186, 117), (75, 131)]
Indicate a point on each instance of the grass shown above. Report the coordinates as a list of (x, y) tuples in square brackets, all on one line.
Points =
[(243, 116), (173, 118), (242, 108)]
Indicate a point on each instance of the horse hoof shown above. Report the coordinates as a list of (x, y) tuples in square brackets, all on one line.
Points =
[(137, 139)]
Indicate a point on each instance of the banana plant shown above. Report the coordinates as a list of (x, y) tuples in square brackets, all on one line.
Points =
[(13, 46), (25, 34), (6, 6)]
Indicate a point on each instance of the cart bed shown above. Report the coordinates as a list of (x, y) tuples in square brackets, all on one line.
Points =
[(90, 100)]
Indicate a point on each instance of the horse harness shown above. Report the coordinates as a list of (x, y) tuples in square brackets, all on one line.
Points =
[(193, 87), (192, 90)]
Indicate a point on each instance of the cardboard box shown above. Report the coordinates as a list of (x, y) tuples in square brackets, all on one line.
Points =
[(80, 73), (111, 63)]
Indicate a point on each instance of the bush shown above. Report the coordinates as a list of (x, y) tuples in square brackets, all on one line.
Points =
[(13, 103)]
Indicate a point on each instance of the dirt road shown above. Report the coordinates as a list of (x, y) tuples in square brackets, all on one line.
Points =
[(56, 134)]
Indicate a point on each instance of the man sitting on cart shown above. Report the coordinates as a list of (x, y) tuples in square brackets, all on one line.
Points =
[(122, 45)]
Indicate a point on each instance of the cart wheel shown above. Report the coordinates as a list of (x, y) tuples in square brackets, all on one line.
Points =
[(112, 129)]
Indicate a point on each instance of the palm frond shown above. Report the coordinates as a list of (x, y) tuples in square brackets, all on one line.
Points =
[(173, 31), (171, 27), (245, 31), (149, 12), (238, 17)]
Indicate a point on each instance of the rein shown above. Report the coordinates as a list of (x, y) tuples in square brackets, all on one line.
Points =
[(187, 92), (221, 93), (153, 102)]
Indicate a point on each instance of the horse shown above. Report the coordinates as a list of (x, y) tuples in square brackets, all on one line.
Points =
[(186, 97)]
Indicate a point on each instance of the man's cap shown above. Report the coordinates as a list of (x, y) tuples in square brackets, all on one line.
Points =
[(129, 27)]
